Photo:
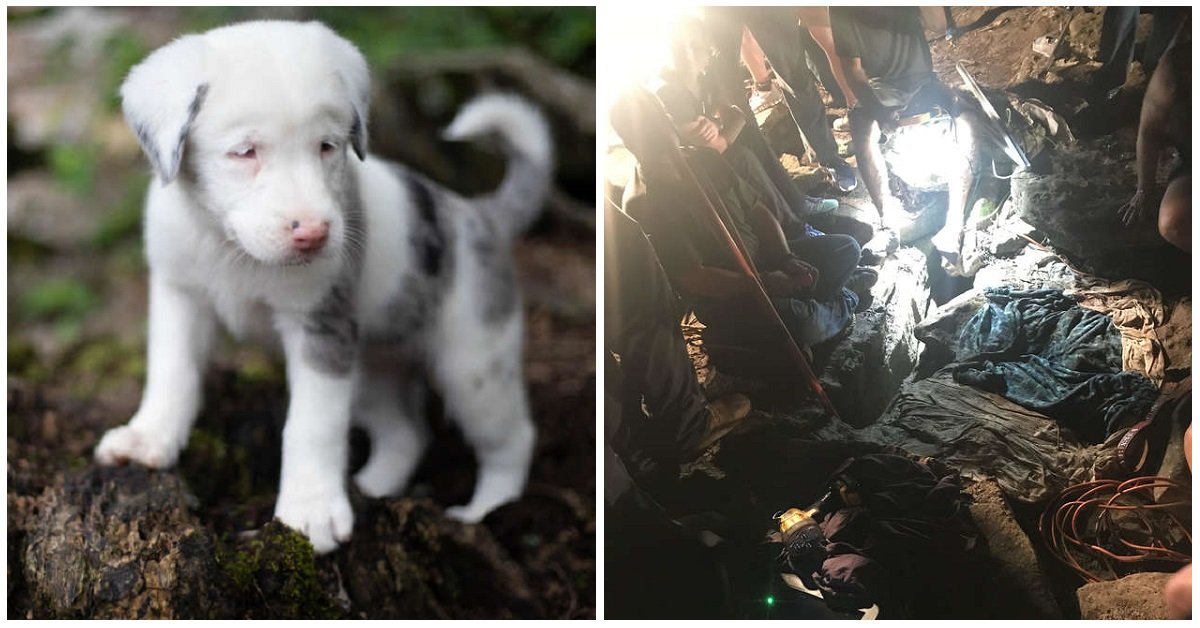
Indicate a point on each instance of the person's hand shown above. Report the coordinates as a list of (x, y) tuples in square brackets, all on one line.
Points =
[(1134, 210), (887, 118), (804, 275), (778, 284), (703, 131), (1179, 594)]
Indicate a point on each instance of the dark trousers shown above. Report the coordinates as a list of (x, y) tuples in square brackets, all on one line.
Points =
[(748, 166), (1117, 36), (641, 322), (779, 35), (811, 319), (782, 47)]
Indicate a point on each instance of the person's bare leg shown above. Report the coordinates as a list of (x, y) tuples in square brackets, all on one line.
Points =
[(1175, 213), (960, 176), (864, 135), (754, 58)]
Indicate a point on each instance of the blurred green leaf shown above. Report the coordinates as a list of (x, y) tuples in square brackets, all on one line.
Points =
[(65, 298), (124, 222), (122, 51), (74, 166)]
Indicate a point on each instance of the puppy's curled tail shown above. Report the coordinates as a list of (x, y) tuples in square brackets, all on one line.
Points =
[(525, 138)]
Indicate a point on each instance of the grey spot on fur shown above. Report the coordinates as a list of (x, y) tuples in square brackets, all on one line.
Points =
[(331, 331), (358, 137), (409, 314), (499, 290), (429, 234), (169, 169)]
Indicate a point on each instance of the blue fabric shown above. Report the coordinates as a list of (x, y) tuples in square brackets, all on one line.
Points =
[(1041, 350)]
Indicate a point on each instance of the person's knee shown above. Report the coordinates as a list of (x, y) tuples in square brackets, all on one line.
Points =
[(1174, 225), (848, 249), (1175, 214), (862, 125)]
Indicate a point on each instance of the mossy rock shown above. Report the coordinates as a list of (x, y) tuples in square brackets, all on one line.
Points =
[(275, 574)]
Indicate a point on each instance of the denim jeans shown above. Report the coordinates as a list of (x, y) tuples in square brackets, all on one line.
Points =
[(811, 318)]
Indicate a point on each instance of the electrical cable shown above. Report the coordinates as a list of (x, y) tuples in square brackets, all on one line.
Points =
[(1112, 524)]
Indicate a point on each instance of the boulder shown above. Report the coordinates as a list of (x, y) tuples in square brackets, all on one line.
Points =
[(1136, 596)]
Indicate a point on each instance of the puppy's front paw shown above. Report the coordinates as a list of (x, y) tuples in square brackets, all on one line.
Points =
[(466, 514), (127, 444), (324, 517)]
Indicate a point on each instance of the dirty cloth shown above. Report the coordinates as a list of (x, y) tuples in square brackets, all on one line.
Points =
[(1155, 335), (1041, 350), (983, 436), (911, 516)]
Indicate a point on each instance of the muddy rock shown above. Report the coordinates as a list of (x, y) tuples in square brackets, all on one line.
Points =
[(413, 562), (1075, 204), (1031, 269), (939, 331), (865, 369), (1137, 596), (122, 542), (1083, 33)]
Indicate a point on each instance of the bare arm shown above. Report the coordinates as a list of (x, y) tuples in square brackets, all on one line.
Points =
[(824, 38), (1153, 128), (933, 19), (857, 77), (1154, 135), (774, 246)]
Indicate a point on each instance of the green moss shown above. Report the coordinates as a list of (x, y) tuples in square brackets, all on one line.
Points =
[(277, 572), (26, 250), (258, 368), (208, 447), (110, 358), (23, 361)]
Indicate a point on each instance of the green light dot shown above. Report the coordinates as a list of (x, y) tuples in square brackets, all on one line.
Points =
[(770, 600)]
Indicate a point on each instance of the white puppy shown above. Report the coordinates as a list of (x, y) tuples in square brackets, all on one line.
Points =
[(370, 277)]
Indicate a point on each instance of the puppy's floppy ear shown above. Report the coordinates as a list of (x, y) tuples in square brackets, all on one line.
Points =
[(161, 97), (355, 79)]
